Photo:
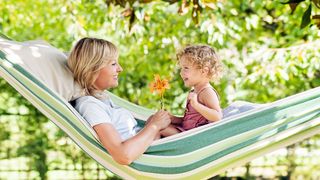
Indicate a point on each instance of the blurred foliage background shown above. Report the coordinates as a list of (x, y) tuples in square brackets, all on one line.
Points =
[(266, 54)]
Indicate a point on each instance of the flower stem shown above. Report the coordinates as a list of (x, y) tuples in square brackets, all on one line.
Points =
[(161, 102)]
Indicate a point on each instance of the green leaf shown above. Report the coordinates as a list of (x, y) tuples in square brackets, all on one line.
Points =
[(293, 1), (306, 18)]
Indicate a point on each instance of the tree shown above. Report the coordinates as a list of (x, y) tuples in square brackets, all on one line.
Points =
[(197, 6), (266, 54)]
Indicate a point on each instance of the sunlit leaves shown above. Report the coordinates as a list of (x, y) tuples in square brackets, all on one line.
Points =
[(293, 4), (150, 45), (306, 17), (209, 3), (197, 6)]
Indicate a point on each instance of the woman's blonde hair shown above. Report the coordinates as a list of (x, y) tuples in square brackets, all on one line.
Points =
[(203, 56), (87, 57)]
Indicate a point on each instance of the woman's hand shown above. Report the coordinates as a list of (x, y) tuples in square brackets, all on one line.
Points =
[(160, 120)]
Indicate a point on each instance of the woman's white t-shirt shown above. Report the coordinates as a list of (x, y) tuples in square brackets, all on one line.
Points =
[(96, 111)]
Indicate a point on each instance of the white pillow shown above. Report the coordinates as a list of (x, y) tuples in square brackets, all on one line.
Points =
[(46, 63)]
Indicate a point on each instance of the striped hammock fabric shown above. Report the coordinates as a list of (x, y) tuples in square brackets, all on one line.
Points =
[(195, 154)]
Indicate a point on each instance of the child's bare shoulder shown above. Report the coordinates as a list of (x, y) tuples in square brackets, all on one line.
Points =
[(208, 94), (209, 90)]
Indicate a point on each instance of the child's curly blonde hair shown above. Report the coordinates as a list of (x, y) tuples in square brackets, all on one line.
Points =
[(203, 56)]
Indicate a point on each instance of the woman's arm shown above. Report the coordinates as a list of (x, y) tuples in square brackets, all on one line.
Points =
[(211, 110), (124, 152)]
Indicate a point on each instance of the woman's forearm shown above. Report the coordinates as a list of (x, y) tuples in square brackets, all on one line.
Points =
[(124, 152), (138, 144)]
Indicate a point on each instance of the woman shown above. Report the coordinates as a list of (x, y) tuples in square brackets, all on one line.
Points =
[(94, 63)]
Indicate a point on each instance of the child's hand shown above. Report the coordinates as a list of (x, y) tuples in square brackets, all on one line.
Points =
[(175, 120), (193, 97), (171, 117)]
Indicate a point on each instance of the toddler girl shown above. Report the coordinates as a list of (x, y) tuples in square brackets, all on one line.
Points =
[(199, 65)]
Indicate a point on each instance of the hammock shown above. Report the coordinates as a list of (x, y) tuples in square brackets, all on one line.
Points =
[(195, 154)]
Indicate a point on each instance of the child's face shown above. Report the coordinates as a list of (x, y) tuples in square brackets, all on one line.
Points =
[(190, 74), (108, 76)]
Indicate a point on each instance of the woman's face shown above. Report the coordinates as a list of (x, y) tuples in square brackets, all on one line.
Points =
[(108, 76)]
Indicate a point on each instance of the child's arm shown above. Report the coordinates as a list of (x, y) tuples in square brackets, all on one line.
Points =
[(211, 110), (175, 119)]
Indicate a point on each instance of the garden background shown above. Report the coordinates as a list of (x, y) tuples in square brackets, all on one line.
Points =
[(268, 51)]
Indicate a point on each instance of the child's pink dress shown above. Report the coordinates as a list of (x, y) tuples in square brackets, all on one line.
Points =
[(192, 118)]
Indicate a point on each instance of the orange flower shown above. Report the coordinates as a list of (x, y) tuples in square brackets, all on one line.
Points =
[(159, 85)]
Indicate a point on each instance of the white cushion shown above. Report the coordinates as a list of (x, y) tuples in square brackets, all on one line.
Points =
[(46, 63)]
